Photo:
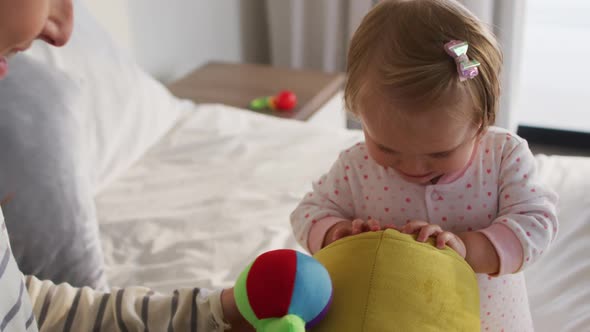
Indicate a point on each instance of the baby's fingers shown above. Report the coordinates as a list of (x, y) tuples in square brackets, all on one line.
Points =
[(428, 231), (340, 233), (413, 226), (374, 225), (358, 226), (391, 226), (453, 241)]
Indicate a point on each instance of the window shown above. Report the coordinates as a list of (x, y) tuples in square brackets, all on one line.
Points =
[(555, 81)]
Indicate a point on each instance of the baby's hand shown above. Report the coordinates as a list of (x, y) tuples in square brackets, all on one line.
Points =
[(426, 230), (347, 228)]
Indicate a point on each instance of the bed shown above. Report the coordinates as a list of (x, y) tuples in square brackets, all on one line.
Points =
[(218, 189), (208, 187)]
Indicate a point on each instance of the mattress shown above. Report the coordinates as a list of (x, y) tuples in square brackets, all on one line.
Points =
[(218, 190)]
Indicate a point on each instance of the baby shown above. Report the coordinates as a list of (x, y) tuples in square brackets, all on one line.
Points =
[(423, 78)]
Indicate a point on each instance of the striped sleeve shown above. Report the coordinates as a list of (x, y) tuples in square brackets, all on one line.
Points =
[(65, 308), (16, 313)]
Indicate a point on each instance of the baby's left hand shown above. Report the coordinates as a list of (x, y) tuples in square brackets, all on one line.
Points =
[(426, 230)]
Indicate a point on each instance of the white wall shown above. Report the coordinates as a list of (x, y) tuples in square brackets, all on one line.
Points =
[(113, 15), (169, 38)]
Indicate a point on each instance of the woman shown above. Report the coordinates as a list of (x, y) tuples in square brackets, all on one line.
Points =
[(62, 307)]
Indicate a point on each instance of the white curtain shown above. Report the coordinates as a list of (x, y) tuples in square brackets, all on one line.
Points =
[(315, 34)]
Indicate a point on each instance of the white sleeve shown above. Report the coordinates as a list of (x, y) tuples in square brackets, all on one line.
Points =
[(331, 200), (66, 308), (526, 207)]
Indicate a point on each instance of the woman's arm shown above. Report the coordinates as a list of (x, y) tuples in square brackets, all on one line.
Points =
[(65, 308)]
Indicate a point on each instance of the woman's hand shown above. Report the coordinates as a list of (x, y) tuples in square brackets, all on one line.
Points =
[(443, 238), (232, 314), (348, 228)]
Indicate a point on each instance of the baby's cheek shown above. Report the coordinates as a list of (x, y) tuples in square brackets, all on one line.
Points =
[(459, 160), (457, 163), (381, 158), (449, 165)]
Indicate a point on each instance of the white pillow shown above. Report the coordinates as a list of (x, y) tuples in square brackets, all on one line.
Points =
[(127, 111), (51, 217)]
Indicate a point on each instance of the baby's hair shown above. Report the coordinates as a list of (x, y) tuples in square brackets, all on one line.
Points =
[(398, 52)]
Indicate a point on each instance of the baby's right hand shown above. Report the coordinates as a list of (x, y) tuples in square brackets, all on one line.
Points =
[(347, 228)]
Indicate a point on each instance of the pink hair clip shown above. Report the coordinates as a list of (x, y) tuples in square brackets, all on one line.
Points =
[(466, 68)]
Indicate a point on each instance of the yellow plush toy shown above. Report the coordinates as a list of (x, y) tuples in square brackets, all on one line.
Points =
[(386, 281)]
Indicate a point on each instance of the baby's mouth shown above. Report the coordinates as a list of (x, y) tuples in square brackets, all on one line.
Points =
[(417, 176)]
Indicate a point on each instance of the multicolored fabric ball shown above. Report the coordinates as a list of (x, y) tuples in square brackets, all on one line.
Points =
[(283, 290)]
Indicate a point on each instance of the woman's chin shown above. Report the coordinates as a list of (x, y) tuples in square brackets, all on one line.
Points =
[(3, 67)]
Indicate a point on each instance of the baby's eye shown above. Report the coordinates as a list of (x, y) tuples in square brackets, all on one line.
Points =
[(442, 155)]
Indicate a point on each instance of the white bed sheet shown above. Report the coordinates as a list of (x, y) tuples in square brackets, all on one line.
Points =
[(218, 190), (212, 195)]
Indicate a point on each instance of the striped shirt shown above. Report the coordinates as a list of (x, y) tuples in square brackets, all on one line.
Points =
[(50, 307), (16, 313)]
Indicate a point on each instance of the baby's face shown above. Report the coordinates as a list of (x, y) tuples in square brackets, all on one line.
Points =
[(22, 21), (420, 146)]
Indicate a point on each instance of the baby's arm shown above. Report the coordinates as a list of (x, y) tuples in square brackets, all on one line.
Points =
[(329, 203), (527, 218)]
